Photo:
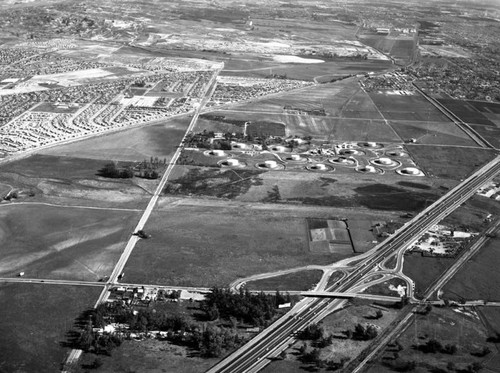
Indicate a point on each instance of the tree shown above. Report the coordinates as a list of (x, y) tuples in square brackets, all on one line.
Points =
[(109, 170), (449, 349), (97, 363), (363, 333), (432, 346), (474, 367)]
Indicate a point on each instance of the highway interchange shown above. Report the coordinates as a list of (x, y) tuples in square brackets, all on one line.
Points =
[(254, 356)]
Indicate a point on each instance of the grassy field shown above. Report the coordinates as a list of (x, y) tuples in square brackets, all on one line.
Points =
[(335, 324), (472, 215), (431, 133), (299, 281), (322, 72), (339, 129), (62, 243), (447, 326), (34, 322), (150, 356), (132, 145), (414, 108), (207, 246), (344, 98), (467, 112), (73, 181), (474, 280), (383, 288), (489, 133), (424, 270), (449, 162), (343, 188)]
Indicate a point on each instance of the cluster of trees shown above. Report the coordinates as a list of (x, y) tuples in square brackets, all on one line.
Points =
[(246, 307), (482, 353), (317, 334), (148, 170), (112, 171), (89, 341), (145, 169), (210, 340), (138, 320), (213, 341), (314, 357), (273, 195), (426, 310), (205, 140), (363, 332), (433, 346)]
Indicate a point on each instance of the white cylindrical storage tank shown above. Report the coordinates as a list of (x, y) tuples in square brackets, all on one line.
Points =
[(217, 153), (232, 162), (270, 164)]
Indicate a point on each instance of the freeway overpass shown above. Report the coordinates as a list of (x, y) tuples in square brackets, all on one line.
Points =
[(252, 356), (347, 295)]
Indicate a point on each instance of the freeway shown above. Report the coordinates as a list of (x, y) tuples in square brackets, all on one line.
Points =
[(401, 323), (252, 356)]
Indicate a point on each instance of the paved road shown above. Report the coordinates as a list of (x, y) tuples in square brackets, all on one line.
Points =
[(460, 124), (152, 203), (405, 316), (49, 281), (336, 294), (254, 355), (210, 87)]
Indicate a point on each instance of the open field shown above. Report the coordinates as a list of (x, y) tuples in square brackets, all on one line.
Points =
[(322, 72), (347, 189), (210, 242), (401, 49), (208, 246), (413, 107), (489, 133), (132, 145), (424, 270), (341, 99), (472, 215), (151, 356), (489, 109), (340, 129), (467, 112), (300, 281), (335, 324), (35, 319), (474, 281), (62, 243), (448, 326), (73, 181), (431, 133), (449, 162)]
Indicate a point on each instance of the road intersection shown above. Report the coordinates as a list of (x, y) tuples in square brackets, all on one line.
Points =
[(253, 356)]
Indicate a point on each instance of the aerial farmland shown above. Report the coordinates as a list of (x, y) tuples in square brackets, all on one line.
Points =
[(180, 178)]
